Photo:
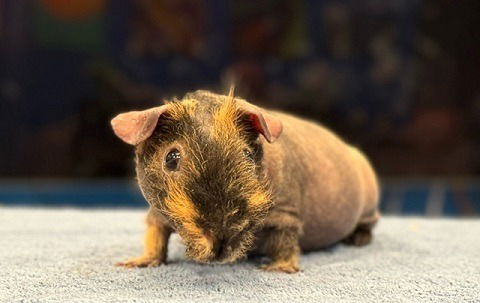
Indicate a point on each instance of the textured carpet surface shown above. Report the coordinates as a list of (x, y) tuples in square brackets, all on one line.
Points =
[(67, 255)]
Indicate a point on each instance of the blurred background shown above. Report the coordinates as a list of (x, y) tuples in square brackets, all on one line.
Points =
[(398, 78)]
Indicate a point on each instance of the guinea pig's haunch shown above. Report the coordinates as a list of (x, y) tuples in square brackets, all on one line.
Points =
[(232, 178)]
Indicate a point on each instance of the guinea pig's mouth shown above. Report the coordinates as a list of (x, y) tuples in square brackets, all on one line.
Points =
[(221, 251)]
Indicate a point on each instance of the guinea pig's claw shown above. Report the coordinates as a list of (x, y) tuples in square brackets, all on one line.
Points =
[(142, 261)]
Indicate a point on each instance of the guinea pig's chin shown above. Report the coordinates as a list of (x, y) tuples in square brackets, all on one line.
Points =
[(231, 258), (228, 256), (200, 257), (220, 260)]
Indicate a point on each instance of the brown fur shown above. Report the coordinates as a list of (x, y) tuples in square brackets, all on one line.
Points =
[(235, 192)]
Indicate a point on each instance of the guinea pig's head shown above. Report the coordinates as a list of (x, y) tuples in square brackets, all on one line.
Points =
[(199, 161)]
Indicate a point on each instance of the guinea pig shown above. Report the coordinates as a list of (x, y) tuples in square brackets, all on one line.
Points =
[(233, 178)]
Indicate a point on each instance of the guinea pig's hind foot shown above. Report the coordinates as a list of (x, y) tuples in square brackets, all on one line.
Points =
[(361, 236), (142, 261), (285, 266)]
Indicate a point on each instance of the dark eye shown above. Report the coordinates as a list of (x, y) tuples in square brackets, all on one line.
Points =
[(172, 159), (248, 154)]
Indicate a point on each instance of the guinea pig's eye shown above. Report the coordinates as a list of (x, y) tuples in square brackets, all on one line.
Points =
[(172, 159), (248, 154)]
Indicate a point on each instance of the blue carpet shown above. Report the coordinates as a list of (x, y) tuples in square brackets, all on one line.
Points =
[(431, 198)]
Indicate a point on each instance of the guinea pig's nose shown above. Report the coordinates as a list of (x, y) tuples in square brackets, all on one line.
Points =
[(220, 246)]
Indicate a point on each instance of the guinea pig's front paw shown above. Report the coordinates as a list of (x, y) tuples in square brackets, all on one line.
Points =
[(285, 266), (142, 261)]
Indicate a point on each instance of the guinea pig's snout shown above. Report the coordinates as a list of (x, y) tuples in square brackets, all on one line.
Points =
[(220, 248), (216, 244)]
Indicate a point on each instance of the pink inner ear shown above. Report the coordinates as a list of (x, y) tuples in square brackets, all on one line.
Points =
[(274, 126), (269, 126), (136, 126)]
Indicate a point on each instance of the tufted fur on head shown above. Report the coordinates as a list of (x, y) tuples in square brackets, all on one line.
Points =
[(217, 194)]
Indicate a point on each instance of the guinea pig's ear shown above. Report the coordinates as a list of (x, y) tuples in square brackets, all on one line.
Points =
[(266, 124), (136, 126)]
